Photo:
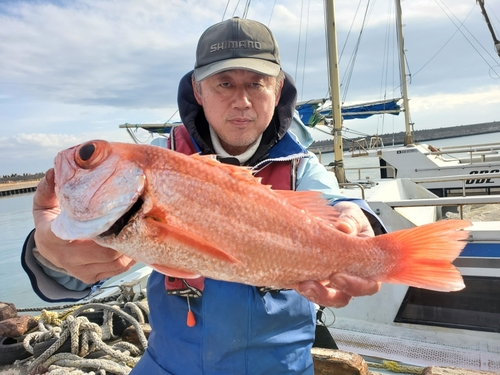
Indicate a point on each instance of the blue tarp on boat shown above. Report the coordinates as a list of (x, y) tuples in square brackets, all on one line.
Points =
[(310, 115)]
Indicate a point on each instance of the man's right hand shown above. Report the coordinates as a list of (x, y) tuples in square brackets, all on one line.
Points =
[(85, 260)]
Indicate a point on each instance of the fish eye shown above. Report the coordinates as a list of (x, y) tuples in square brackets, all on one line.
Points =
[(87, 151), (91, 154)]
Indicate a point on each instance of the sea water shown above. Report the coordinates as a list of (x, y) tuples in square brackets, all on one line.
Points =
[(16, 222)]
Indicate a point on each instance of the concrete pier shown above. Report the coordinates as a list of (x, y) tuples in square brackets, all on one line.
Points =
[(17, 188)]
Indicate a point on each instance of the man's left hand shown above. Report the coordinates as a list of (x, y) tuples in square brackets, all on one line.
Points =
[(339, 290)]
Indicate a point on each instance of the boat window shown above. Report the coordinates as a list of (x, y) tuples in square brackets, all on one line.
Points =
[(477, 307)]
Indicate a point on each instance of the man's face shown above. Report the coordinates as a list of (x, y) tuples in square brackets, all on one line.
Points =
[(239, 105)]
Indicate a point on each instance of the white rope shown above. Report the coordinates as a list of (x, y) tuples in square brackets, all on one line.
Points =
[(87, 338)]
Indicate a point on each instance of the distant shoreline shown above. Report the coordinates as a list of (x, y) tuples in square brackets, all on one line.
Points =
[(421, 135), (14, 184)]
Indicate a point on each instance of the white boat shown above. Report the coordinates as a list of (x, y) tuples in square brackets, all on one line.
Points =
[(474, 167), (420, 327)]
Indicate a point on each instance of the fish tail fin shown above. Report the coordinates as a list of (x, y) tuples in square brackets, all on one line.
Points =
[(427, 253)]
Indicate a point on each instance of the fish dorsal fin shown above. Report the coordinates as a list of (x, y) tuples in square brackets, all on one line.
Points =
[(238, 172), (312, 202)]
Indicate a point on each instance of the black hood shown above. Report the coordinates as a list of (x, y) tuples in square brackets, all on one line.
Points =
[(193, 118)]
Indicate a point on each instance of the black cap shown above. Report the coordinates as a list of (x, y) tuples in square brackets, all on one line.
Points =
[(237, 44)]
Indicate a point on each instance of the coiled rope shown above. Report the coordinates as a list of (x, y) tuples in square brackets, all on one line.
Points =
[(122, 298), (396, 367), (86, 338)]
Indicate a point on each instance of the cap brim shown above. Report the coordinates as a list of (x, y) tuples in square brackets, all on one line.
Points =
[(265, 67)]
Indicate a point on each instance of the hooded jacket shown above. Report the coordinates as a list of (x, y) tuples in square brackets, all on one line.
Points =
[(240, 329)]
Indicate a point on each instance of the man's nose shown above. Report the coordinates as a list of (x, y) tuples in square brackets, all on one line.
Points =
[(241, 98)]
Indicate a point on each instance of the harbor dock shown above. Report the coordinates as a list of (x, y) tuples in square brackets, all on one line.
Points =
[(15, 188)]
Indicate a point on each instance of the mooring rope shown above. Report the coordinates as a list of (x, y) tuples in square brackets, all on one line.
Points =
[(396, 367), (86, 338), (121, 298)]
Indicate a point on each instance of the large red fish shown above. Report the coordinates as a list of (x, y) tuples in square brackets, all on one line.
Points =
[(191, 215)]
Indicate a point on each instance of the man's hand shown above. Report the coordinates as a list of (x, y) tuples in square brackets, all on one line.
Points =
[(339, 290), (85, 260)]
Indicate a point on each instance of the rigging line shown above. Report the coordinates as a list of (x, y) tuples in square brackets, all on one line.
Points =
[(272, 12), (435, 55), (177, 110), (346, 41), (459, 29), (385, 63), (245, 11), (236, 8), (355, 52), (305, 52), (407, 78), (494, 15), (328, 94), (349, 32), (462, 24), (298, 47), (488, 23), (356, 132), (322, 131), (225, 10)]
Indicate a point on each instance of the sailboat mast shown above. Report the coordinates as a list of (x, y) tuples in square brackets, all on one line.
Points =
[(334, 80), (488, 23), (402, 71)]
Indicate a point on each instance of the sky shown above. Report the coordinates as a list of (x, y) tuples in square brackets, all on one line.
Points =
[(74, 70)]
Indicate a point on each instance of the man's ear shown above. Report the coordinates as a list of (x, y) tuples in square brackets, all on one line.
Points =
[(197, 95)]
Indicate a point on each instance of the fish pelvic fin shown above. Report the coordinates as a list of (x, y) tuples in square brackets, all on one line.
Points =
[(427, 253), (191, 240)]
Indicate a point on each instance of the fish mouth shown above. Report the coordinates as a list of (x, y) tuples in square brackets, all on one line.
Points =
[(124, 220)]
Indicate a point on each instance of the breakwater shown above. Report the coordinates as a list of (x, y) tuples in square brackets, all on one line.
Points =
[(17, 188), (419, 136)]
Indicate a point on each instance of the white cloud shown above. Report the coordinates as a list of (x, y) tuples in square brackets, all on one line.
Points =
[(35, 152), (449, 101), (80, 68)]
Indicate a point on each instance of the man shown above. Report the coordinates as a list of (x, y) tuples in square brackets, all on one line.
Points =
[(238, 104)]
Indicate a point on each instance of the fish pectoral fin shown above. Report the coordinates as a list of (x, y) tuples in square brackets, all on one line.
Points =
[(193, 241)]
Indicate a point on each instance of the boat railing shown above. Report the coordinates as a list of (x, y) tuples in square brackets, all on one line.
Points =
[(465, 178), (476, 146), (317, 152), (423, 202), (359, 169), (459, 202), (354, 184), (472, 150)]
